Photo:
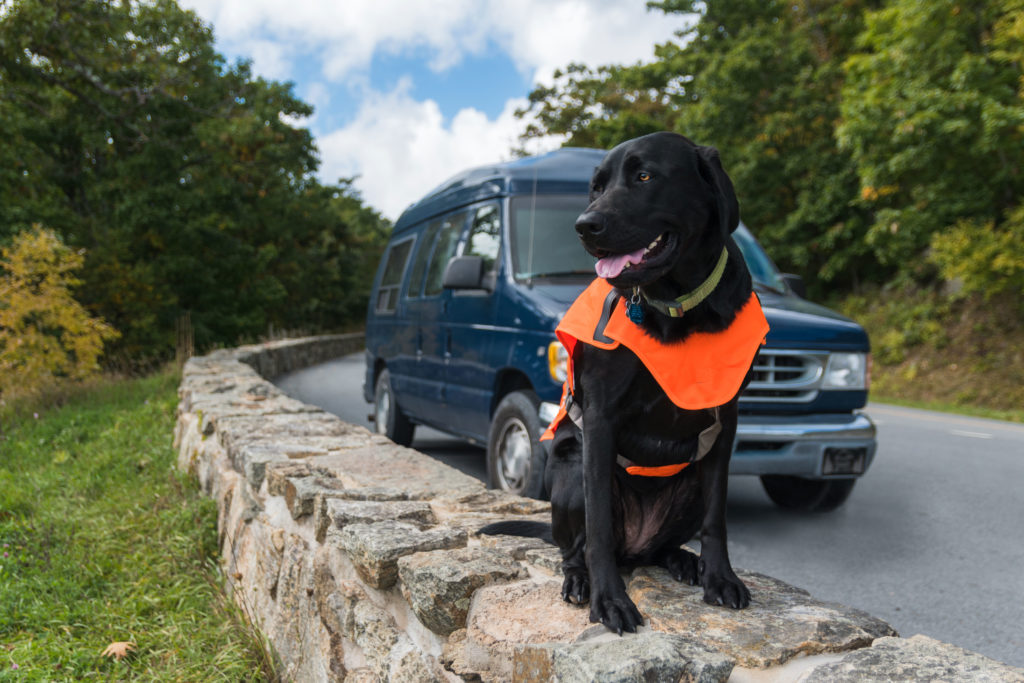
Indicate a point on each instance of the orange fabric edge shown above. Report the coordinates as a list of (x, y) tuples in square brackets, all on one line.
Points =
[(662, 471)]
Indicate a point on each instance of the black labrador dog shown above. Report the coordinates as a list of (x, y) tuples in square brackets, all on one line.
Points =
[(659, 220)]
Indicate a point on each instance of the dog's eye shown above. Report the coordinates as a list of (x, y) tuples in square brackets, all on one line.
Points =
[(643, 176), (597, 189)]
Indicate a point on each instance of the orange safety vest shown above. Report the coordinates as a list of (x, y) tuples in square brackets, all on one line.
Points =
[(703, 371)]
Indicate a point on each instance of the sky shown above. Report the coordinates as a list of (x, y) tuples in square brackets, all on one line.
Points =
[(409, 92)]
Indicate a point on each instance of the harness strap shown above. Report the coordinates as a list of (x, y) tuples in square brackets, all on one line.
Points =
[(705, 441)]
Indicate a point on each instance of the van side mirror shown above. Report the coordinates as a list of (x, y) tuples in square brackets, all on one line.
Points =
[(464, 272), (796, 284)]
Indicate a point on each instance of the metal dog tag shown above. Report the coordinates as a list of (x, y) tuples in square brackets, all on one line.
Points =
[(634, 310)]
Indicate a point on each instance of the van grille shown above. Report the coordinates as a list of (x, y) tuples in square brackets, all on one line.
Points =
[(786, 376)]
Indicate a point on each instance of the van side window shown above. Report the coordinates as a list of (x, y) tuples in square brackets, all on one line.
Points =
[(485, 237), (391, 280), (419, 266), (451, 230)]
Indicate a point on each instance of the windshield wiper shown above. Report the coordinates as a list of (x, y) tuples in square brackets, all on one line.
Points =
[(561, 273)]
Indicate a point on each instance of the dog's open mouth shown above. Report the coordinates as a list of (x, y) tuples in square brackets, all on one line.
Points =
[(613, 265)]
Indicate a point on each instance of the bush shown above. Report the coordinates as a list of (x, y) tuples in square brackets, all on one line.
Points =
[(985, 259), (45, 334)]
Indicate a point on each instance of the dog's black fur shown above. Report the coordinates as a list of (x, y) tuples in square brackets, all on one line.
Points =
[(603, 518)]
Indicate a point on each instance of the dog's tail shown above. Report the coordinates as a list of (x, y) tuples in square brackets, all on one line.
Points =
[(541, 530)]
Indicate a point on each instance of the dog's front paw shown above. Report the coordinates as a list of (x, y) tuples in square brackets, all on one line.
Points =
[(723, 587), (576, 586), (616, 611)]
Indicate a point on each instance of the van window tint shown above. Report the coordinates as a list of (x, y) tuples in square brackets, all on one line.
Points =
[(544, 243), (485, 236), (419, 266), (451, 230), (391, 280)]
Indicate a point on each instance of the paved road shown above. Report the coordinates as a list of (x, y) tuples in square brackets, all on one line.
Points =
[(932, 539)]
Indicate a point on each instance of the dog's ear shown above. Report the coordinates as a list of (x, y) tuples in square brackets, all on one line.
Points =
[(725, 195)]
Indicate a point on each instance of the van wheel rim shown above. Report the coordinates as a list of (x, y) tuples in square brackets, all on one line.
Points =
[(514, 455), (383, 412)]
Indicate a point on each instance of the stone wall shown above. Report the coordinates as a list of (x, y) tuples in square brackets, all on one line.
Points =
[(358, 560)]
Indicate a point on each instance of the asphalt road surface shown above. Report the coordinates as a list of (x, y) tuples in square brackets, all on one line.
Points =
[(931, 540)]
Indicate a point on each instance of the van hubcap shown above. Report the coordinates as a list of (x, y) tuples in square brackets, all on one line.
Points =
[(514, 454)]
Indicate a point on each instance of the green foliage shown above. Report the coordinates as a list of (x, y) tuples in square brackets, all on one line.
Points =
[(932, 117), (44, 333), (185, 179), (985, 260), (102, 541), (854, 131)]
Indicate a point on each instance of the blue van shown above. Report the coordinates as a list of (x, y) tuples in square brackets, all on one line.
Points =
[(460, 337)]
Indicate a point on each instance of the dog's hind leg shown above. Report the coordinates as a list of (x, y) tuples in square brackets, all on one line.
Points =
[(564, 477), (681, 564)]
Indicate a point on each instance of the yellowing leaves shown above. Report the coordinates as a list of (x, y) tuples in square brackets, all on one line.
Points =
[(44, 333)]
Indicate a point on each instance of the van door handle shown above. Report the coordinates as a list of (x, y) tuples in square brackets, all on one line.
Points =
[(448, 345)]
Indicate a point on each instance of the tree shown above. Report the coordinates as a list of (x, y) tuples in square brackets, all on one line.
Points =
[(44, 333), (760, 81), (933, 119), (186, 180)]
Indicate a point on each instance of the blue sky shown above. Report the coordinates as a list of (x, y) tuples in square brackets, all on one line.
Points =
[(409, 92)]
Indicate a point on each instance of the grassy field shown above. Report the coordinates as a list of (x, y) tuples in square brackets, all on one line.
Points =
[(103, 541)]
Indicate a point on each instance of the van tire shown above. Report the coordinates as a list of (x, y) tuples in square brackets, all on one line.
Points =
[(388, 418), (807, 495), (515, 456)]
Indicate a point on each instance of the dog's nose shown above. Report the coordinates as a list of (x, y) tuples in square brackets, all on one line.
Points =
[(590, 223)]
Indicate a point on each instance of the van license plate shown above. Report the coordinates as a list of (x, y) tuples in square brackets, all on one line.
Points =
[(844, 460)]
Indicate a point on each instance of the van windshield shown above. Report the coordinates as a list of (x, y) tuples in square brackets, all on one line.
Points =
[(544, 243)]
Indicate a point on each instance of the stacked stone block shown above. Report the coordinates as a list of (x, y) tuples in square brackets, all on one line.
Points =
[(359, 561)]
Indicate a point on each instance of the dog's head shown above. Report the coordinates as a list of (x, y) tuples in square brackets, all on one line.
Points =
[(657, 202)]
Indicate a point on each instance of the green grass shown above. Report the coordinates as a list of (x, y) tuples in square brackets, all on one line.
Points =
[(103, 540), (1008, 415)]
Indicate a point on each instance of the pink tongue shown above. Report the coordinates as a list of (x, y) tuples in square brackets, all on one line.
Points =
[(611, 266)]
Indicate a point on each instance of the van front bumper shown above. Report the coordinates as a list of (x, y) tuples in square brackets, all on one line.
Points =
[(817, 446)]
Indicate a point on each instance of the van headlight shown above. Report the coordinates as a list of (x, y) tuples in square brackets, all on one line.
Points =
[(558, 361), (846, 371)]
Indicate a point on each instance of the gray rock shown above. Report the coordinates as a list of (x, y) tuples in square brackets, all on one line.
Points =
[(278, 472), (914, 659), (439, 585), (375, 548), (388, 466), (300, 493), (337, 513), (495, 502), (781, 622), (315, 433), (252, 460), (648, 656), (547, 558)]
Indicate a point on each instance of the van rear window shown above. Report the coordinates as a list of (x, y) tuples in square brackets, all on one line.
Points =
[(391, 280)]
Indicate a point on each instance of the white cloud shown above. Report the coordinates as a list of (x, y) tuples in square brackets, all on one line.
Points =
[(540, 35), (401, 148)]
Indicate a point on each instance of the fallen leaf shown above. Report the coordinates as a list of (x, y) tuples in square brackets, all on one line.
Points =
[(119, 650)]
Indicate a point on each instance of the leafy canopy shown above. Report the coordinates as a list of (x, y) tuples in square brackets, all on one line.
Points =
[(855, 132), (187, 180)]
